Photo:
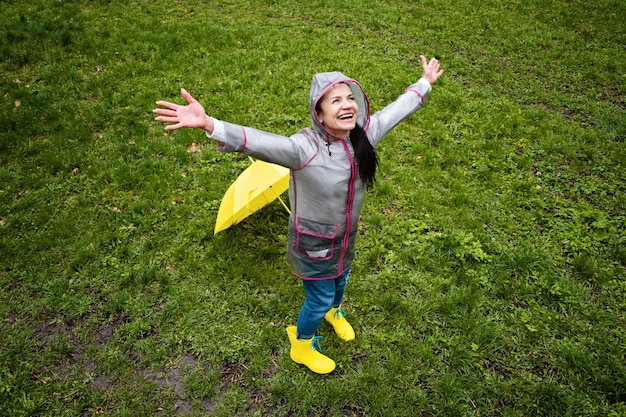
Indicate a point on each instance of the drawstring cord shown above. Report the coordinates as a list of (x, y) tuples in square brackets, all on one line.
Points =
[(339, 314), (315, 343)]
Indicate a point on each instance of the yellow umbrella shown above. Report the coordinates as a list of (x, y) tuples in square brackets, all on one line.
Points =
[(260, 184)]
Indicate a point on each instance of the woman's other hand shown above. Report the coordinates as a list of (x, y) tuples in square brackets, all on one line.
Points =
[(431, 69), (191, 115)]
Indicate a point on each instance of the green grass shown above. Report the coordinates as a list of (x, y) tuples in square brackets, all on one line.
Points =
[(490, 275)]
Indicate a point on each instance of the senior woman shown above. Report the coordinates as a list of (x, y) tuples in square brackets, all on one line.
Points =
[(331, 165)]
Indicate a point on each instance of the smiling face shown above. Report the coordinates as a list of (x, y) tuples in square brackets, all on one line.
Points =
[(338, 110)]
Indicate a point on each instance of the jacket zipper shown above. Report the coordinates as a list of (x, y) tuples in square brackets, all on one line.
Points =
[(349, 203)]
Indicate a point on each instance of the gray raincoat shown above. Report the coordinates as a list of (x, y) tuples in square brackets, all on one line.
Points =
[(325, 190)]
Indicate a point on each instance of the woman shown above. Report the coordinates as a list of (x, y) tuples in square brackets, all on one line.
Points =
[(331, 166)]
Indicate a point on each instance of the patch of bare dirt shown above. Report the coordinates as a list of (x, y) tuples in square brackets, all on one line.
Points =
[(75, 361)]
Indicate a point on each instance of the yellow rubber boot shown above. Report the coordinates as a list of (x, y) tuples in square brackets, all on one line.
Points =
[(337, 317), (305, 353)]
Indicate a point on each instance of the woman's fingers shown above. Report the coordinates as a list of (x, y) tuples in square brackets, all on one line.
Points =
[(165, 112), (188, 98), (167, 119), (167, 104)]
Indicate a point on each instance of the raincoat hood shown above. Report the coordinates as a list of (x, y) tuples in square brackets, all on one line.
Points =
[(323, 82)]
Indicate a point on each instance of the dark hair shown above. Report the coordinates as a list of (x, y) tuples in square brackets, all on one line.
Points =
[(365, 154)]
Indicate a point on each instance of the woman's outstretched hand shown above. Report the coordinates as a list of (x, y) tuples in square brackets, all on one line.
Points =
[(431, 70), (190, 116)]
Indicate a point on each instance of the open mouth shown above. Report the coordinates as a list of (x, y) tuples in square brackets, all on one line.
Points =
[(346, 117)]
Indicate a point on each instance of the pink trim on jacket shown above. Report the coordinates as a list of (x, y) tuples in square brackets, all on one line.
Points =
[(416, 92), (349, 204), (245, 139), (311, 136)]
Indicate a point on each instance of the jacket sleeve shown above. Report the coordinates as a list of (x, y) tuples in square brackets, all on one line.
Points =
[(291, 152), (408, 103)]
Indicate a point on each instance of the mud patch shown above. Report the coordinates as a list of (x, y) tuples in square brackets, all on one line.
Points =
[(183, 387)]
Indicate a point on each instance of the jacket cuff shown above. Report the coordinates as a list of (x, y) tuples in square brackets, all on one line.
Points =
[(218, 130), (421, 88)]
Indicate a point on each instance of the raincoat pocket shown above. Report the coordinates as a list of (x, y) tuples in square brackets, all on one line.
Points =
[(315, 240)]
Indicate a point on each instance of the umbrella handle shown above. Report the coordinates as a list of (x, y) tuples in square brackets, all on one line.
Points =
[(277, 196), (284, 205)]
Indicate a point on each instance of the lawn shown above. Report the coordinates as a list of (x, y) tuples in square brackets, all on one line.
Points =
[(490, 272)]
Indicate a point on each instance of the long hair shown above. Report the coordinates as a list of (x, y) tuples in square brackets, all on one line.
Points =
[(365, 154)]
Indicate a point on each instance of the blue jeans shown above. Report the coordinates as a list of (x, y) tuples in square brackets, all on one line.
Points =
[(321, 296)]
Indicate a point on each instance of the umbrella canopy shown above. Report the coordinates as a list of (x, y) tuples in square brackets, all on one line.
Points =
[(260, 184)]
